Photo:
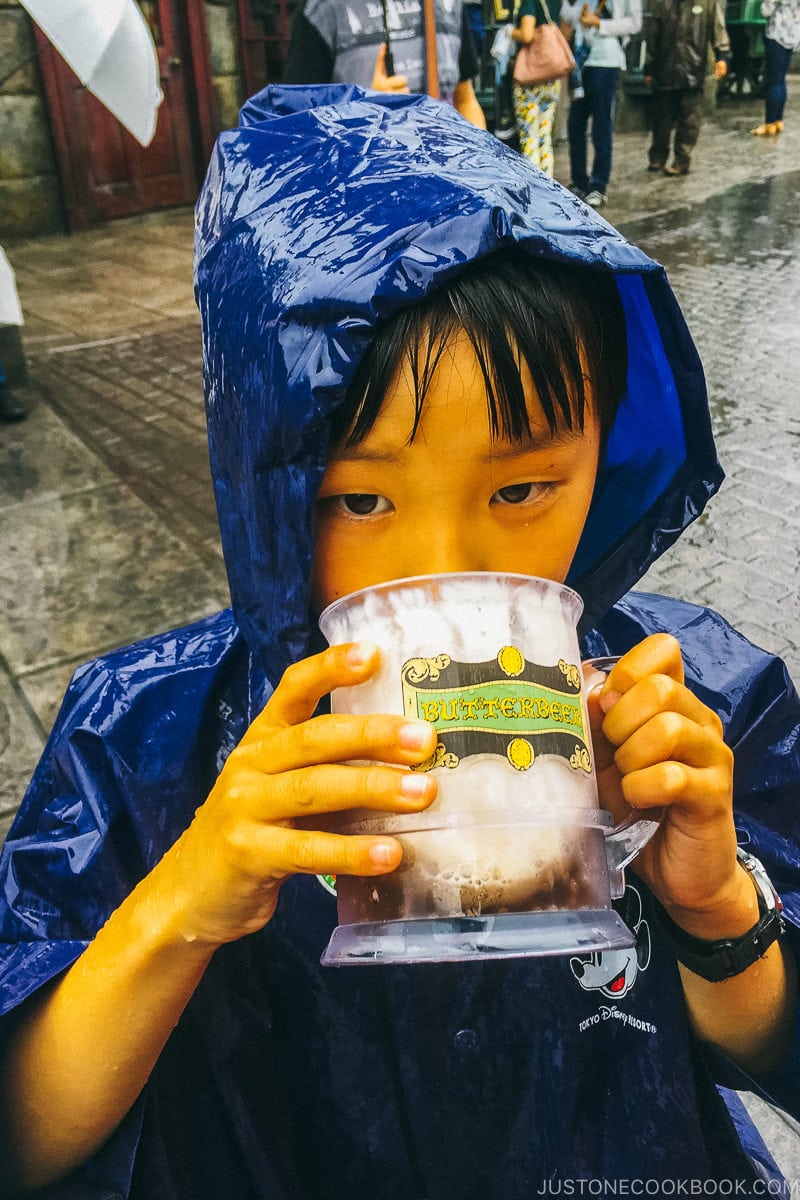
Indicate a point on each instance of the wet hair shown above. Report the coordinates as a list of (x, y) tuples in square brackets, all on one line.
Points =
[(565, 322)]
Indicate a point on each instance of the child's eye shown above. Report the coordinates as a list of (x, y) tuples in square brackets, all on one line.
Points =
[(363, 504), (518, 493)]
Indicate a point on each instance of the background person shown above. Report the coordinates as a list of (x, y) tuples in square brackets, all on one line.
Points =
[(781, 39), (535, 106), (608, 34), (679, 35), (474, 14), (342, 41)]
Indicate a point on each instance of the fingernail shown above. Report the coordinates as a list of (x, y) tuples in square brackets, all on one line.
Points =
[(361, 653), (415, 735), (381, 854), (608, 700), (414, 787)]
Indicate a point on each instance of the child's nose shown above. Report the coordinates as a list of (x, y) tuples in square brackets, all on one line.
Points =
[(447, 548)]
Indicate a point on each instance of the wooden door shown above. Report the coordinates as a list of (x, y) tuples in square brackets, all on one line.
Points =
[(264, 30), (105, 172)]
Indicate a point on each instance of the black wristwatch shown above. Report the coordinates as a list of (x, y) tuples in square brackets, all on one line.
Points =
[(727, 957)]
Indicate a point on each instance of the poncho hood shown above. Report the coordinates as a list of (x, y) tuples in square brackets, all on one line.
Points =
[(327, 210)]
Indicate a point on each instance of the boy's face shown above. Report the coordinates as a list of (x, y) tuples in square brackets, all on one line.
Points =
[(454, 499)]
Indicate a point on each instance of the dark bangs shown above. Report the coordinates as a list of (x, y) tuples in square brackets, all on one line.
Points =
[(559, 320)]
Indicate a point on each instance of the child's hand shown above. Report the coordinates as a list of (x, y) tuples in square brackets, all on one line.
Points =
[(221, 878), (656, 745)]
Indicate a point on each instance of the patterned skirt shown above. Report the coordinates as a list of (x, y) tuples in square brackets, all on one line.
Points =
[(535, 108)]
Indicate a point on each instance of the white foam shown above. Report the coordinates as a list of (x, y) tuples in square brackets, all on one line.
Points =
[(489, 869)]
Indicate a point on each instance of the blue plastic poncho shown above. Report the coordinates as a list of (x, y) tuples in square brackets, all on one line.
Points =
[(322, 214)]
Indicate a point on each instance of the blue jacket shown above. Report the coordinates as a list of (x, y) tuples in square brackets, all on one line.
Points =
[(322, 214)]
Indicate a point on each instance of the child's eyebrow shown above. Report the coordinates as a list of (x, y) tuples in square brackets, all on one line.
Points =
[(358, 454), (534, 443), (502, 449)]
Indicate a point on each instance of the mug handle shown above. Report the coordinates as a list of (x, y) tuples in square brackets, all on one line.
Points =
[(625, 840)]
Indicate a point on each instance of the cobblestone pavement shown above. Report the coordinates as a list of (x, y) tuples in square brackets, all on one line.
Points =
[(138, 404), (734, 262), (107, 526)]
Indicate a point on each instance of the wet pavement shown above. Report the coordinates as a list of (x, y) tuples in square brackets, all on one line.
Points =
[(734, 262), (107, 524)]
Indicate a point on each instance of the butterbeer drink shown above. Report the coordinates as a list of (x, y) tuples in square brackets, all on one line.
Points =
[(492, 662)]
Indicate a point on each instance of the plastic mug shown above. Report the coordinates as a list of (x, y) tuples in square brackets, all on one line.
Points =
[(514, 858)]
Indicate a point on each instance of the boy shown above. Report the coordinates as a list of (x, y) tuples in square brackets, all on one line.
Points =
[(420, 356)]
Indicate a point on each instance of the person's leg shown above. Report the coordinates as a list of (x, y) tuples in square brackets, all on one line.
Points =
[(527, 118), (687, 128), (10, 407), (662, 110), (546, 100), (576, 132), (776, 64), (601, 91)]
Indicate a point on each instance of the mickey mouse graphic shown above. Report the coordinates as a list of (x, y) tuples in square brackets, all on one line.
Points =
[(613, 972)]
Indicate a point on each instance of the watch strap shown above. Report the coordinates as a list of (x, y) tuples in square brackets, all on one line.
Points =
[(727, 957)]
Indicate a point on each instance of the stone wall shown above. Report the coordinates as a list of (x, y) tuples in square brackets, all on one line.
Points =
[(222, 24), (30, 186), (30, 192)]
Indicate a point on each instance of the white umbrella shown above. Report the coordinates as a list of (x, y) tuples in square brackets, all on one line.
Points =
[(10, 310), (109, 47)]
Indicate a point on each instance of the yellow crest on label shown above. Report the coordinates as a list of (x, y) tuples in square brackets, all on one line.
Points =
[(511, 661), (520, 754)]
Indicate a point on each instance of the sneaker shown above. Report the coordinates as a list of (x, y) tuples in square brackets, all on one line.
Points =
[(675, 170), (765, 130), (576, 191), (595, 199)]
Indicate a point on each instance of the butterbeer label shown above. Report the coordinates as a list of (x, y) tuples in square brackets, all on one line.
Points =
[(506, 706)]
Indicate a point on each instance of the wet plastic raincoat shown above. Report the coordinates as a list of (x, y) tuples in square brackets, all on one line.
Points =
[(322, 214)]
